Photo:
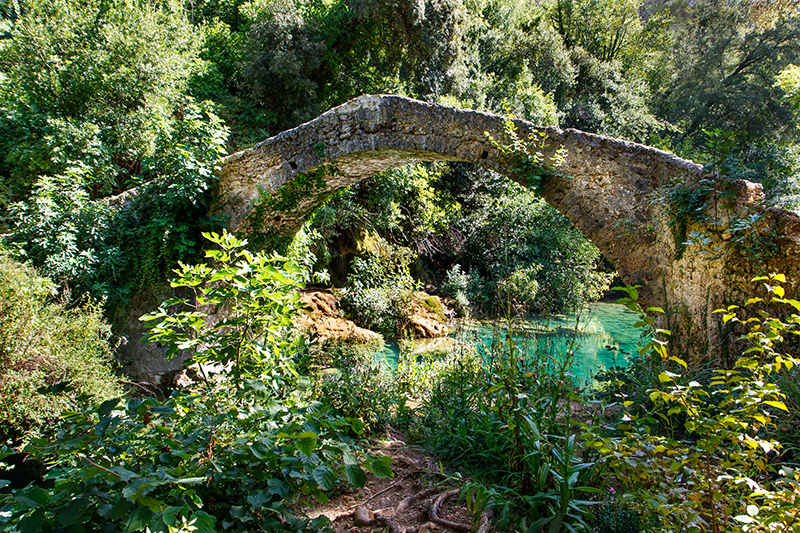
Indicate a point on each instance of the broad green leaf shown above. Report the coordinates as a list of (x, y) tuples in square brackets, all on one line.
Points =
[(379, 467), (69, 514), (154, 505), (136, 489), (277, 486), (204, 522), (325, 477), (355, 475), (779, 405), (171, 514), (259, 499), (32, 497), (306, 446), (138, 520), (32, 523)]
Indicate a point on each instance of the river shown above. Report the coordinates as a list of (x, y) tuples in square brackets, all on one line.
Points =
[(601, 337)]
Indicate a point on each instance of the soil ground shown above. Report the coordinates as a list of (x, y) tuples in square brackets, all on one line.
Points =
[(405, 503)]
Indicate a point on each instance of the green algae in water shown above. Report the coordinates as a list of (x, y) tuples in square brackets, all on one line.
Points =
[(604, 337)]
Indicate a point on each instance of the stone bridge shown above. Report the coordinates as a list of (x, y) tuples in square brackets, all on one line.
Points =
[(623, 196)]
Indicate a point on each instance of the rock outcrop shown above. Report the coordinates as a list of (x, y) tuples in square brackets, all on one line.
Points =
[(427, 319), (324, 321)]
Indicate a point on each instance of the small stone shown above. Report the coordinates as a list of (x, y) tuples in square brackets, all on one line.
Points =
[(363, 516)]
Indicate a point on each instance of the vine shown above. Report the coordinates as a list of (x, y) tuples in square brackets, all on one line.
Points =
[(286, 200), (700, 203), (288, 195), (527, 155)]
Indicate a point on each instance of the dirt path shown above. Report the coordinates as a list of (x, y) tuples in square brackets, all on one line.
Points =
[(418, 499)]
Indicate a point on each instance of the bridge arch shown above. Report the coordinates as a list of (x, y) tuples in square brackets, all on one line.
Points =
[(612, 190)]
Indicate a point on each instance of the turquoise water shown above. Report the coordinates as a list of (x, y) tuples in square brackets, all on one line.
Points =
[(603, 338)]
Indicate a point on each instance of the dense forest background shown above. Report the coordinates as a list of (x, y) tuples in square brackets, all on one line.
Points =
[(112, 116), (103, 97)]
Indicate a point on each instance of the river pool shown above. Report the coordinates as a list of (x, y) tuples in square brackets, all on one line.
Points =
[(602, 336)]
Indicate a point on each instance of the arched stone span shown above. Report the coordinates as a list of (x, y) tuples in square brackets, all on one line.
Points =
[(611, 190)]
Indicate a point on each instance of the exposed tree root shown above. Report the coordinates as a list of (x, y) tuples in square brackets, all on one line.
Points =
[(486, 521), (434, 513), (363, 517)]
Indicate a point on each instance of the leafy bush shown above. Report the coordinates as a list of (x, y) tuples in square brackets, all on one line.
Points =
[(252, 336), (614, 515), (224, 460), (88, 83), (379, 290), (88, 245), (42, 344), (357, 386), (509, 417), (722, 466), (517, 292), (455, 286), (227, 457)]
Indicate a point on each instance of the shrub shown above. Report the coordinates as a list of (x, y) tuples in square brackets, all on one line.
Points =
[(357, 386), (517, 292), (509, 416), (42, 344), (379, 290), (230, 456), (89, 83), (722, 462), (455, 286), (86, 245), (255, 299), (614, 515)]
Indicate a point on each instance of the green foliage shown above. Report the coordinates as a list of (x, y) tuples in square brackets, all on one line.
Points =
[(230, 457), (257, 301), (89, 245), (405, 204), (43, 344), (508, 416), (302, 186), (687, 204), (725, 461), (706, 204), (304, 57), (357, 385), (223, 459), (534, 236), (64, 234), (789, 81), (455, 286), (613, 515), (723, 74), (517, 293), (379, 290), (95, 82), (527, 155)]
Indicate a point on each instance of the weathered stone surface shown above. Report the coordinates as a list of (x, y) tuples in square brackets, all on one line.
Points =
[(612, 190), (322, 319), (423, 321)]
